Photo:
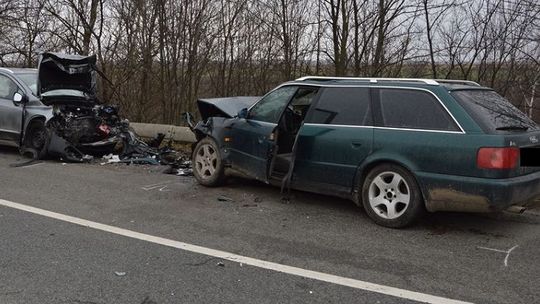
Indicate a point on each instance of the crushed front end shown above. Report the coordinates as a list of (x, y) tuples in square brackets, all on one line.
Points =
[(79, 125)]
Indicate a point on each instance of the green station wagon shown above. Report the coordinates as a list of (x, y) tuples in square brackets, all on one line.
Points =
[(398, 147)]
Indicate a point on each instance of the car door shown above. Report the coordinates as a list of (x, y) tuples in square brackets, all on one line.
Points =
[(251, 140), (10, 114), (336, 137)]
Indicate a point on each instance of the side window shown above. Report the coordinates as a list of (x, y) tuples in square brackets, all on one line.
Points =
[(414, 109), (343, 106), (302, 100), (7, 88), (269, 108)]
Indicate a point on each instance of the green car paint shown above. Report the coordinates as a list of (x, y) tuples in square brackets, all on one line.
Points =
[(334, 159)]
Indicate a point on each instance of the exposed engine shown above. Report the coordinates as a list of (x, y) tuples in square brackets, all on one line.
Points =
[(80, 125)]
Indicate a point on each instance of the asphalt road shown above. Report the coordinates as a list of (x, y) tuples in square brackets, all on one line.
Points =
[(45, 260)]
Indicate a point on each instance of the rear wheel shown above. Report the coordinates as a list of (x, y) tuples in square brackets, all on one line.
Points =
[(391, 196), (207, 163)]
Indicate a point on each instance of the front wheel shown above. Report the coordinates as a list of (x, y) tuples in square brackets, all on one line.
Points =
[(391, 196), (207, 163), (36, 139)]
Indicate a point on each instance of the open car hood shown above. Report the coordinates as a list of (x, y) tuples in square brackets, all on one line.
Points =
[(59, 75), (224, 107)]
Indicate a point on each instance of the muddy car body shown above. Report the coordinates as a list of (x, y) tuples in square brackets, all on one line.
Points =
[(54, 110), (396, 146)]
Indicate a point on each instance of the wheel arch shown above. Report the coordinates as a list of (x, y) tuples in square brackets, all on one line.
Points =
[(371, 163), (29, 122)]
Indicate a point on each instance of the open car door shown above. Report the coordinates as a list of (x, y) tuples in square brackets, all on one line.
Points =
[(252, 138)]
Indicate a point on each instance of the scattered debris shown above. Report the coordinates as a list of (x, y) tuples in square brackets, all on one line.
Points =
[(224, 199), (181, 167), (31, 154), (147, 300), (220, 264), (250, 205), (120, 273)]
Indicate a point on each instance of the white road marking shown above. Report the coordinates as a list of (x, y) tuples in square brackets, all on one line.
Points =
[(310, 274), (501, 251), (32, 165), (162, 187)]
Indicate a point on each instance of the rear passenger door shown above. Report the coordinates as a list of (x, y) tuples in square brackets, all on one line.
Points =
[(336, 137), (414, 128)]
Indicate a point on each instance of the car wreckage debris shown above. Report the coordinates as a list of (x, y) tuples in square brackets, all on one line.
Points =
[(80, 127), (138, 152)]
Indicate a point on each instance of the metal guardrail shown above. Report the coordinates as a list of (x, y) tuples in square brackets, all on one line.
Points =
[(179, 134)]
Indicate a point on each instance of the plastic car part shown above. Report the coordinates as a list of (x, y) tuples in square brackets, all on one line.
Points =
[(58, 146)]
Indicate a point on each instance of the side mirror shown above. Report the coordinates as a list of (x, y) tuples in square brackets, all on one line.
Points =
[(243, 113), (18, 98)]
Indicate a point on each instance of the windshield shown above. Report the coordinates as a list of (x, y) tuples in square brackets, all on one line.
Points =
[(493, 112), (30, 79)]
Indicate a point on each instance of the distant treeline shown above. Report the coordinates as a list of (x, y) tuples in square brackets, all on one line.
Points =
[(161, 55)]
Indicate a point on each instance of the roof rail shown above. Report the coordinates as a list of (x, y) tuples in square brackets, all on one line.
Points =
[(370, 79), (456, 81), (7, 70)]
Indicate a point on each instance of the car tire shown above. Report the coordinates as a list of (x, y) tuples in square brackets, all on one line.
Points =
[(391, 196), (207, 163), (36, 139)]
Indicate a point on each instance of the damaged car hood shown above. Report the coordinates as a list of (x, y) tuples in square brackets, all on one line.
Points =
[(67, 79), (224, 107)]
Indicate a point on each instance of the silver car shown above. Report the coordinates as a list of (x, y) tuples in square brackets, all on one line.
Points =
[(54, 110), (22, 114)]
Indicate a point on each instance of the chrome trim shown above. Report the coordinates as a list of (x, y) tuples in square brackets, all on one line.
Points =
[(263, 122), (457, 81), (7, 70), (370, 79), (381, 128)]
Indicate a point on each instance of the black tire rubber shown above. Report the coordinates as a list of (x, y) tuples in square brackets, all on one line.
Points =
[(218, 177), (415, 209), (32, 141)]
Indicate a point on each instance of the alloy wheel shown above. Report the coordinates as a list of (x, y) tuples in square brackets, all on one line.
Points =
[(206, 161), (389, 195)]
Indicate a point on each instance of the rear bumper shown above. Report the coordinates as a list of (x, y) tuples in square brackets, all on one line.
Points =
[(471, 194)]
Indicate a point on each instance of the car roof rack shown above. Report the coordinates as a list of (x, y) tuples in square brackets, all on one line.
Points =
[(370, 79), (456, 81), (375, 80)]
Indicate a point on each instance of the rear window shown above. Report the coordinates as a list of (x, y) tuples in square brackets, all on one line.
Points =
[(493, 112), (414, 109)]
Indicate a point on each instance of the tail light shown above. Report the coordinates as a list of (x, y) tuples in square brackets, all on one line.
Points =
[(497, 158)]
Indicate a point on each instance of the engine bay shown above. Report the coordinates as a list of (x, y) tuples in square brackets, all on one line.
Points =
[(81, 125)]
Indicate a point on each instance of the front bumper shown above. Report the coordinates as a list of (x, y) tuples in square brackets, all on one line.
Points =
[(471, 194)]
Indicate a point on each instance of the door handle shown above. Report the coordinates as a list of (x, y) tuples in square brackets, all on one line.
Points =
[(356, 144)]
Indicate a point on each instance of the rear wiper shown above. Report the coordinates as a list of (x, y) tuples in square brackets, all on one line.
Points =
[(512, 128)]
